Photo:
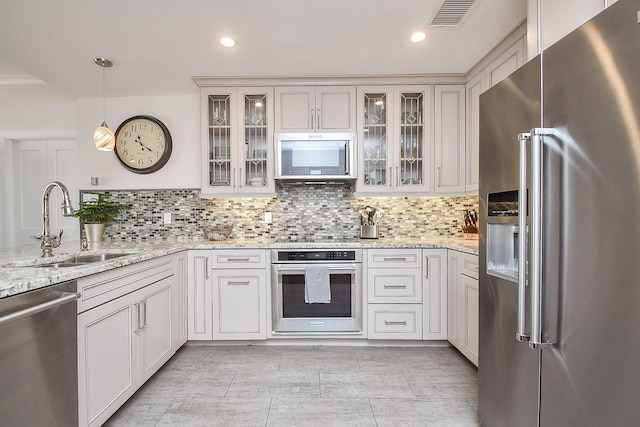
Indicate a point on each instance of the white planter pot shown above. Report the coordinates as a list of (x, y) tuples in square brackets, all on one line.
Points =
[(94, 232)]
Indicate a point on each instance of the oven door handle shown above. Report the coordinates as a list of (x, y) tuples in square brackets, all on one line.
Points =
[(283, 269)]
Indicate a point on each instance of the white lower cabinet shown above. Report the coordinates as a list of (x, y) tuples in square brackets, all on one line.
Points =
[(434, 294), (394, 294), (107, 368), (199, 302), (124, 341), (179, 302), (395, 321), (227, 294), (463, 305), (239, 306)]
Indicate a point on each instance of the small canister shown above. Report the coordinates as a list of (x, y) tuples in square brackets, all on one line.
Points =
[(369, 231)]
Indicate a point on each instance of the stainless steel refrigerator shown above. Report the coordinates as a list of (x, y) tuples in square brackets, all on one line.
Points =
[(560, 233)]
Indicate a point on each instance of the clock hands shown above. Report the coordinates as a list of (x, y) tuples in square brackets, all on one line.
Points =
[(142, 145)]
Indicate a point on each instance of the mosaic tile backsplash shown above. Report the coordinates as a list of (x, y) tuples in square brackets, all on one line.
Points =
[(300, 212)]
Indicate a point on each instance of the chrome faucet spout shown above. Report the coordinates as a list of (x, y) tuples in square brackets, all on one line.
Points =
[(47, 241)]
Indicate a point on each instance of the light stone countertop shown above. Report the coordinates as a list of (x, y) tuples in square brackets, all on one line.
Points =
[(18, 274)]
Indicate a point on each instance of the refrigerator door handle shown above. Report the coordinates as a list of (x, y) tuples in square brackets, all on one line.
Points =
[(537, 196), (521, 334)]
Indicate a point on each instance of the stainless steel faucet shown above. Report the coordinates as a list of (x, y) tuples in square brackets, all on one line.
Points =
[(47, 241)]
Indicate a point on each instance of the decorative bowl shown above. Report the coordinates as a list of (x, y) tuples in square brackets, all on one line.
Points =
[(217, 232)]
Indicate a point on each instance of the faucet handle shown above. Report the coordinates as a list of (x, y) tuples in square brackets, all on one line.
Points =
[(56, 240), (37, 237)]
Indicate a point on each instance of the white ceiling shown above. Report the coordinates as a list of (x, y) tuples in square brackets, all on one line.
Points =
[(158, 45)]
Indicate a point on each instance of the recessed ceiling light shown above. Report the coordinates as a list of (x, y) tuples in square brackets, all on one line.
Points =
[(417, 36), (228, 42)]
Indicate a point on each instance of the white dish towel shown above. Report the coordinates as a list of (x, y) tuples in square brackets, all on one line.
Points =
[(316, 285)]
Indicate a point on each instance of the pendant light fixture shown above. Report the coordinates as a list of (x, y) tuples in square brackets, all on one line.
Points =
[(103, 137)]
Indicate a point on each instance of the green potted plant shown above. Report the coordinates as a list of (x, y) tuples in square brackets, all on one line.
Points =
[(97, 213)]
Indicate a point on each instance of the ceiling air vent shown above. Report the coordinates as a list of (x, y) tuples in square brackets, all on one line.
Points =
[(452, 12)]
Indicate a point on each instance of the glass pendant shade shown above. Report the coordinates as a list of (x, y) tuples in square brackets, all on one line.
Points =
[(103, 138)]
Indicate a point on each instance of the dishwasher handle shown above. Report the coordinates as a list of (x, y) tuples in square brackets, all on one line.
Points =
[(63, 298)]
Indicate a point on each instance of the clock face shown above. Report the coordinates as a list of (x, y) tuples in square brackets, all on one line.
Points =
[(143, 144)]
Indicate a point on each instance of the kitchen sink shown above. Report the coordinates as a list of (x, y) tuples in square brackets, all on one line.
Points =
[(86, 259), (80, 260)]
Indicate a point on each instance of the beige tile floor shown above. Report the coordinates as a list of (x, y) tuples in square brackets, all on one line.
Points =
[(307, 386)]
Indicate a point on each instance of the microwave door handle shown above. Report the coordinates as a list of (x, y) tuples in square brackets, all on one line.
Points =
[(347, 165)]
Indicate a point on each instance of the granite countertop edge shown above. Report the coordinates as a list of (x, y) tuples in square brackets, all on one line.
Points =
[(18, 273)]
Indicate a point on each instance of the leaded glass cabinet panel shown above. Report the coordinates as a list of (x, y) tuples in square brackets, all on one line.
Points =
[(375, 139), (219, 140), (395, 133), (238, 142)]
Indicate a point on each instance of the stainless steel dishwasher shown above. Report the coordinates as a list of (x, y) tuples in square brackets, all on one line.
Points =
[(39, 357)]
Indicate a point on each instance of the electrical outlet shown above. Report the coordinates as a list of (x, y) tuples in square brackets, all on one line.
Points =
[(268, 218), (167, 218)]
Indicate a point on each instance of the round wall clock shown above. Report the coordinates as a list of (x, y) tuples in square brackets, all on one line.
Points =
[(143, 144)]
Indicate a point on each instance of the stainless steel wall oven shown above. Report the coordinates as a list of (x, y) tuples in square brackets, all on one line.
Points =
[(290, 312)]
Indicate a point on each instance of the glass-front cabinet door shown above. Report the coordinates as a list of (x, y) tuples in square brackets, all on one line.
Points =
[(219, 115), (237, 141), (374, 114), (411, 130), (395, 137)]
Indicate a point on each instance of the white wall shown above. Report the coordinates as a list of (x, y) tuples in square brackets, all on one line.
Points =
[(181, 115), (35, 107)]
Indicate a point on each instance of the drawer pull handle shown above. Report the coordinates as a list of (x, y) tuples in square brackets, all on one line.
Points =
[(389, 322), (230, 283), (395, 286), (238, 259), (137, 308), (395, 258)]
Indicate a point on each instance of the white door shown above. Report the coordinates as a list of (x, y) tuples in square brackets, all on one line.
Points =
[(35, 164)]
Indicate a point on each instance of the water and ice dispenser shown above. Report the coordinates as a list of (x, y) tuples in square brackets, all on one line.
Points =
[(502, 235)]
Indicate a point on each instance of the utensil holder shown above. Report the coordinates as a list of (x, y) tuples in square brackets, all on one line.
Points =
[(369, 231)]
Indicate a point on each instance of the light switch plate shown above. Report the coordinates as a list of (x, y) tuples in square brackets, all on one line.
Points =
[(167, 218), (268, 218)]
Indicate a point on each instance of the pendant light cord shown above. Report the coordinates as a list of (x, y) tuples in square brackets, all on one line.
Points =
[(104, 100)]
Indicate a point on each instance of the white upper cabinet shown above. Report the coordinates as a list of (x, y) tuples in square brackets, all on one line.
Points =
[(449, 144), (475, 86), (237, 141), (558, 19), (315, 109), (506, 63), (506, 60), (394, 128)]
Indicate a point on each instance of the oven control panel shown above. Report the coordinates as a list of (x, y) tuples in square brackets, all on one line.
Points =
[(305, 256)]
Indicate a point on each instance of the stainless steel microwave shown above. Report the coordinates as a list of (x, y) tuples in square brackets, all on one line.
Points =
[(315, 156)]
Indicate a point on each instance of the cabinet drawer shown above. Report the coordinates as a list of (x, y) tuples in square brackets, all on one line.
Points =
[(390, 285), (102, 287), (387, 258), (469, 265), (395, 321), (239, 258)]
